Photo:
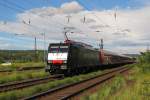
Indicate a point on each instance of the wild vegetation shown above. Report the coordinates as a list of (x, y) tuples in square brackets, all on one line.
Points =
[(107, 89), (144, 58), (21, 56), (137, 87), (134, 86)]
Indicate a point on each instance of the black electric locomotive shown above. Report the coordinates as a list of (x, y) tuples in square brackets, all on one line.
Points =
[(75, 57)]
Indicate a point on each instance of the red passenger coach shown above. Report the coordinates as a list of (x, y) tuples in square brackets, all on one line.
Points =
[(101, 56)]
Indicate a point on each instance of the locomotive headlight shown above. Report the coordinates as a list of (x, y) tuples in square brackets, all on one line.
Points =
[(65, 61), (49, 61), (63, 67)]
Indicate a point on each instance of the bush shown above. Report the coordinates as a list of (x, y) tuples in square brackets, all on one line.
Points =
[(144, 62), (144, 58)]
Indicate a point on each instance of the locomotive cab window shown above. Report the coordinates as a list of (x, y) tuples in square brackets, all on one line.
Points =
[(58, 49)]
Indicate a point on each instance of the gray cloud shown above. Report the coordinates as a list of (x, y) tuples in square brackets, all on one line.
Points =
[(99, 26)]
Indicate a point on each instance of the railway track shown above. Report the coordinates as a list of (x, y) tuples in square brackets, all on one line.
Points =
[(27, 83), (3, 71), (71, 90)]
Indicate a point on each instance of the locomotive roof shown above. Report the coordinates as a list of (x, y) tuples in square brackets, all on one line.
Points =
[(55, 44), (115, 54), (80, 44), (77, 43), (74, 43)]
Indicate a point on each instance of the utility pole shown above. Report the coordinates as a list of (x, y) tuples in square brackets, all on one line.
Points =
[(44, 58), (66, 30), (101, 44), (35, 48), (65, 34), (101, 41), (148, 48), (44, 49), (11, 51), (68, 18), (35, 45), (101, 52)]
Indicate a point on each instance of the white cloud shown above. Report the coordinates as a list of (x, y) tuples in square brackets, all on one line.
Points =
[(72, 7), (66, 8), (130, 32)]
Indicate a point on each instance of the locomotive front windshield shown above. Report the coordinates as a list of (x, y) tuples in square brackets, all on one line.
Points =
[(57, 53), (58, 49)]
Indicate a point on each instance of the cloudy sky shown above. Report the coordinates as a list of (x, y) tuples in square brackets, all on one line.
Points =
[(123, 24)]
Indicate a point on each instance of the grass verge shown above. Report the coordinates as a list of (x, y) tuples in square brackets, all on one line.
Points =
[(18, 66), (18, 76), (134, 86), (140, 89)]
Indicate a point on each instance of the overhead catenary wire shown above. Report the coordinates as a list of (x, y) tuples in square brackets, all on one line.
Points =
[(13, 6), (39, 15), (97, 17), (115, 15), (12, 3), (22, 9), (17, 8), (10, 7), (101, 21)]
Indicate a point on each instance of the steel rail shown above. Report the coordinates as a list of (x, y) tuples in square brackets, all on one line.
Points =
[(22, 69), (27, 83), (86, 88), (52, 92)]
